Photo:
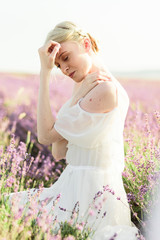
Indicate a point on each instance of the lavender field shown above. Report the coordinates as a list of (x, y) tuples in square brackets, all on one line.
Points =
[(24, 163)]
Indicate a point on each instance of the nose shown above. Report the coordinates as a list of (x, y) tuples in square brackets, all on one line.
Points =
[(65, 70)]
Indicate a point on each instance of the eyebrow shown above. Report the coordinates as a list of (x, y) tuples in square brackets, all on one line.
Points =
[(60, 55)]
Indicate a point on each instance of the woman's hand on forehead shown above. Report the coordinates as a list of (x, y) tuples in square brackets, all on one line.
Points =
[(51, 45), (47, 54)]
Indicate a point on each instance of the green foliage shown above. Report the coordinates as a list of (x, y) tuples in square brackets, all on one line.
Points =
[(67, 229)]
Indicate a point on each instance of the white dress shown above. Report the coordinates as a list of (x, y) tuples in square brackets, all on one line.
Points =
[(95, 158)]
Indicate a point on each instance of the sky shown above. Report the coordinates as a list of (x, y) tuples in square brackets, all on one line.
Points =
[(127, 30)]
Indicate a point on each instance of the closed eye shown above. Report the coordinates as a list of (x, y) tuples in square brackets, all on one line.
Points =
[(58, 66)]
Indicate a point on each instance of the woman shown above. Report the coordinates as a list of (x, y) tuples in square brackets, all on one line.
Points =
[(88, 132)]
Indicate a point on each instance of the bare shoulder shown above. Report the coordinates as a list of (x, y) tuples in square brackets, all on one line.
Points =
[(101, 99)]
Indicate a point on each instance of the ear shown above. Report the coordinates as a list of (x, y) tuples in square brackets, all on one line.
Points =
[(87, 44)]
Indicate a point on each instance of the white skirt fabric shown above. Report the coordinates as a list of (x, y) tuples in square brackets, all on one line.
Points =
[(81, 184)]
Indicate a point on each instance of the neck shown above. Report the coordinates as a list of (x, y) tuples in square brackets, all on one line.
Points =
[(97, 64)]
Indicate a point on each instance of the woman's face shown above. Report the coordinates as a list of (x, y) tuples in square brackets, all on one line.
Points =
[(74, 57)]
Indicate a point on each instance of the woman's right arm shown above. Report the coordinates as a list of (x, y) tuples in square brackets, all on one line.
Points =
[(45, 120)]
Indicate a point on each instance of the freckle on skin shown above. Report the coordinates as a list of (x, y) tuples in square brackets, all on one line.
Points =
[(90, 99)]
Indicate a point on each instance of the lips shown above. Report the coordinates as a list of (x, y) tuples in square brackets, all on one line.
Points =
[(71, 74)]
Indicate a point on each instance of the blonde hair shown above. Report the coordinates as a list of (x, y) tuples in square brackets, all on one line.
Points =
[(69, 31)]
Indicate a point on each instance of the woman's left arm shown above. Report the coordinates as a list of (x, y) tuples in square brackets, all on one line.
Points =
[(59, 148)]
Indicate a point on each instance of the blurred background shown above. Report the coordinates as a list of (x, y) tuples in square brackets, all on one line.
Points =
[(129, 39), (128, 33)]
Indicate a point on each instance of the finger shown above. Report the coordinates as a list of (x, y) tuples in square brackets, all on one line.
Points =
[(101, 78), (92, 74), (55, 51), (99, 72), (52, 49), (50, 42), (50, 46), (105, 74), (100, 81), (105, 78)]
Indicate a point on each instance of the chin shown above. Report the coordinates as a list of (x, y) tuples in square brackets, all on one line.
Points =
[(79, 78), (78, 81)]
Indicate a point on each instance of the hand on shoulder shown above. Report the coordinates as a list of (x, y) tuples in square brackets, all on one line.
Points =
[(101, 99)]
